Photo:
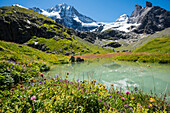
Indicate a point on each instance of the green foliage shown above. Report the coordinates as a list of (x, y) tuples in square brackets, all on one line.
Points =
[(48, 25), (12, 73), (17, 52), (152, 58), (58, 95), (140, 43), (73, 45), (20, 62), (158, 45)]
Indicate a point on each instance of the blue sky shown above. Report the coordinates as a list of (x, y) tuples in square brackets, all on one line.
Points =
[(99, 10)]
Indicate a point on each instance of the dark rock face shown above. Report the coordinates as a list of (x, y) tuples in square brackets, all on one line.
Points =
[(67, 54), (108, 34), (115, 34), (72, 59), (87, 36), (156, 19), (148, 4), (19, 27), (78, 59), (113, 44), (151, 18), (137, 10)]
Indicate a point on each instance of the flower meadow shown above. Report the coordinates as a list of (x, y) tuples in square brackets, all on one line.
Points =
[(61, 95), (12, 73)]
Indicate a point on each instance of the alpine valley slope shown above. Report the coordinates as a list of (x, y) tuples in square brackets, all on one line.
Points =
[(25, 26)]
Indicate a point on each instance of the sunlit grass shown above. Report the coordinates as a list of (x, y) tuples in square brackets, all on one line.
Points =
[(151, 58)]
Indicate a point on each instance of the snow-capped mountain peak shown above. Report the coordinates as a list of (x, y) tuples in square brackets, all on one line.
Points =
[(68, 16), (123, 18), (60, 7), (136, 22)]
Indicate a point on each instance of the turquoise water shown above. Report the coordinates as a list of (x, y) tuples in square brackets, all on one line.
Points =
[(147, 77)]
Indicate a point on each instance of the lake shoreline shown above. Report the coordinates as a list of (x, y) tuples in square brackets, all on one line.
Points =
[(163, 58)]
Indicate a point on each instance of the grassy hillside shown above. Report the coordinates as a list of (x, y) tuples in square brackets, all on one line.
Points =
[(162, 34), (72, 46), (15, 52), (20, 62), (152, 58), (12, 10), (22, 25), (157, 45)]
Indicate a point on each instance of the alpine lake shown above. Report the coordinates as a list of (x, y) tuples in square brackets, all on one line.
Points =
[(149, 77)]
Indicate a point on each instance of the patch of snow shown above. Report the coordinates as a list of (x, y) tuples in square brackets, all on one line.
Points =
[(35, 42), (123, 18), (77, 19), (68, 7), (93, 24), (122, 26), (28, 22), (50, 14), (17, 5)]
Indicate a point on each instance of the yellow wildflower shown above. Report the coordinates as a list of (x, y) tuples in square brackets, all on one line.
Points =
[(133, 98), (150, 105), (138, 104), (100, 88), (151, 100)]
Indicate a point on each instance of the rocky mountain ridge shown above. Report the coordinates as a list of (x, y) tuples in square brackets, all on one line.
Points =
[(68, 16), (151, 18), (148, 19)]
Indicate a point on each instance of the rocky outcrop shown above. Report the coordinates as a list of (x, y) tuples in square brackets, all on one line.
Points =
[(108, 34), (72, 59), (115, 35), (148, 4), (143, 20), (79, 59), (151, 18), (112, 44), (87, 36), (18, 26), (156, 19), (137, 10)]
